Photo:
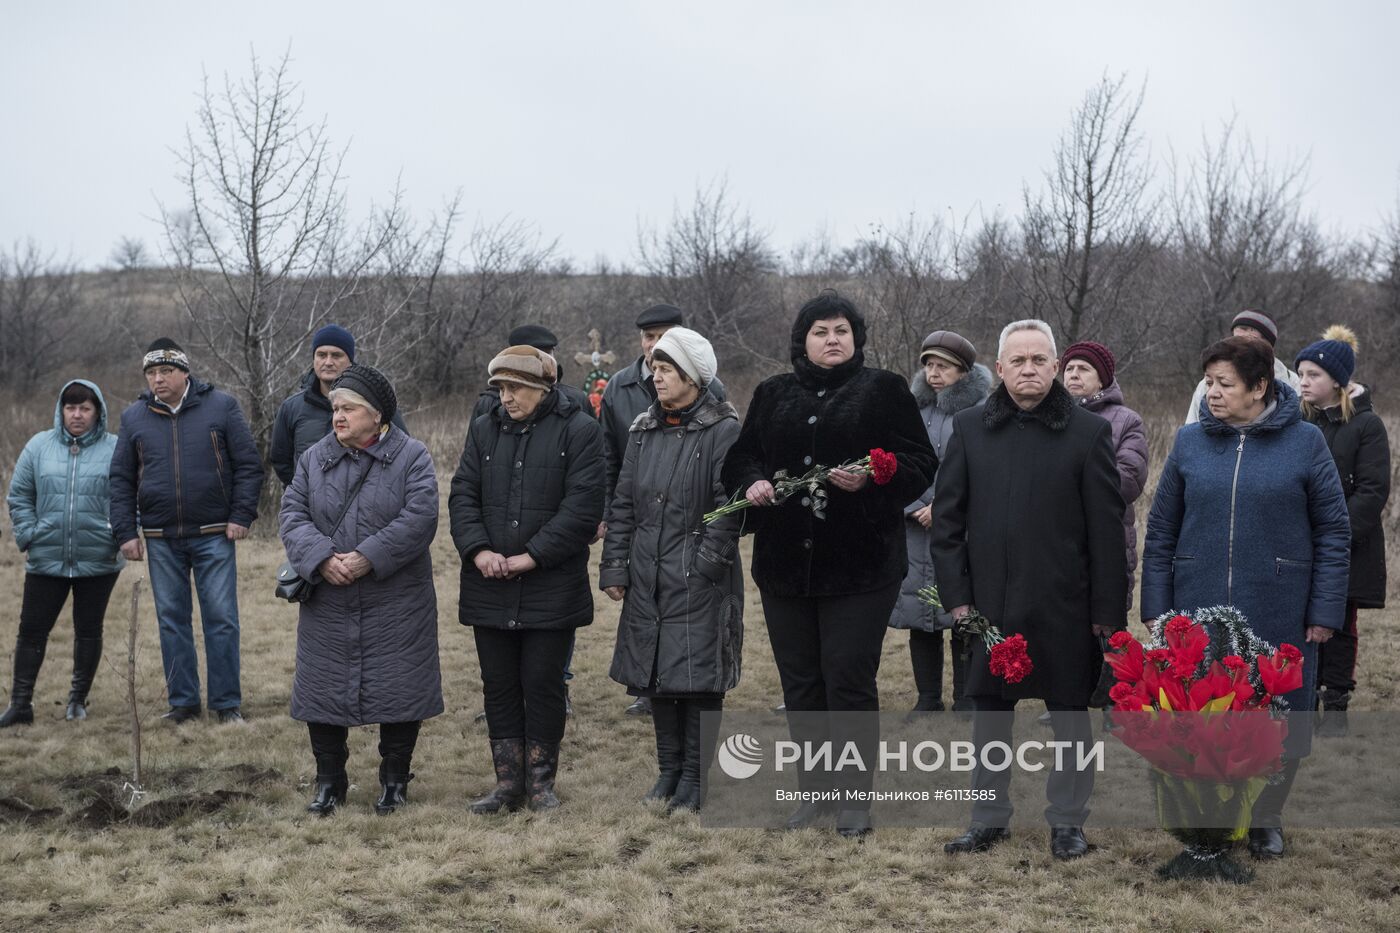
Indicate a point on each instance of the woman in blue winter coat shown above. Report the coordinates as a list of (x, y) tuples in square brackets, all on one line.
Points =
[(58, 507), (1249, 513)]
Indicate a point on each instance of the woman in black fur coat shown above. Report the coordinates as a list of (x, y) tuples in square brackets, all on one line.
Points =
[(829, 581)]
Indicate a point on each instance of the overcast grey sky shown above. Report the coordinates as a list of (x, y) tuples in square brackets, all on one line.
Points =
[(586, 118)]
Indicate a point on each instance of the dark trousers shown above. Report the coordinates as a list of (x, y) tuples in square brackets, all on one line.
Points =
[(1067, 791), (522, 681), (44, 598), (1336, 657), (827, 649), (396, 740), (926, 655)]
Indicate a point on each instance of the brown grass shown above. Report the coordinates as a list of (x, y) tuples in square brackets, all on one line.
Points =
[(603, 862)]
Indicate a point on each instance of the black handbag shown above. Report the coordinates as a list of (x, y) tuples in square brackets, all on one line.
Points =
[(292, 586)]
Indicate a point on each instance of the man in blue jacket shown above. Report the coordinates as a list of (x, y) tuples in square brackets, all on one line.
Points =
[(186, 476)]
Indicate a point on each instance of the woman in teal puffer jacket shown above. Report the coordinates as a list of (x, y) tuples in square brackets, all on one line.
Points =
[(58, 506)]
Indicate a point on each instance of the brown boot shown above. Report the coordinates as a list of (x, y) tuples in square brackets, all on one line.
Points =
[(542, 762), (508, 757)]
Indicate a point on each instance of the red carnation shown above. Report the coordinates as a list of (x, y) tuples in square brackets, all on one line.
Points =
[(1290, 653), (1234, 662), (883, 465), (1120, 639), (1010, 661)]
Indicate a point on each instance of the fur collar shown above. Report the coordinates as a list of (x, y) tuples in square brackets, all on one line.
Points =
[(1053, 411), (966, 392)]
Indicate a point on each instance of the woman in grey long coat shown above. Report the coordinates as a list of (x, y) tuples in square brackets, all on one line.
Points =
[(680, 636), (367, 649), (949, 380)]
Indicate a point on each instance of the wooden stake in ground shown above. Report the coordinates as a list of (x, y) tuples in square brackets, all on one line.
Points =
[(131, 686)]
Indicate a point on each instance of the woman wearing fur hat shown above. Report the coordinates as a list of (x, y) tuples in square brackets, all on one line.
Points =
[(526, 500), (829, 569), (949, 379), (680, 636), (1359, 444)]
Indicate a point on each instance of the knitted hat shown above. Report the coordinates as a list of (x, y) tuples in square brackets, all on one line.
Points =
[(1335, 352), (523, 365), (660, 316), (165, 352), (1096, 355), (690, 352), (949, 347), (533, 335), (1260, 322), (373, 386), (333, 335)]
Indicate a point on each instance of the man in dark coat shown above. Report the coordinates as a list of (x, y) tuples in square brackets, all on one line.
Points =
[(630, 392), (186, 477), (541, 338), (1027, 528), (305, 418)]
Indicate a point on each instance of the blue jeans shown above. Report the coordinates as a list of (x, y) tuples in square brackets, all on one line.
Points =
[(211, 558)]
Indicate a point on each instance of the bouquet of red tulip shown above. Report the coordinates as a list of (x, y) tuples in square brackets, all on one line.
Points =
[(880, 465), (1007, 657), (1201, 702)]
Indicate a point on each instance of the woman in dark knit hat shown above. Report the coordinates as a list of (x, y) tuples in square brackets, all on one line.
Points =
[(358, 520), (949, 379), (1361, 448), (830, 573), (526, 500)]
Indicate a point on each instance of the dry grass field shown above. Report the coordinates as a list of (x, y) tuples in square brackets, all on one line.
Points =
[(221, 840)]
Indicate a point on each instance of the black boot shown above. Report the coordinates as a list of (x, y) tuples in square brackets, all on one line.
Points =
[(1266, 829), (29, 657), (541, 765), (331, 785), (699, 751), (87, 652), (670, 747), (926, 655), (508, 757), (1334, 713), (393, 785)]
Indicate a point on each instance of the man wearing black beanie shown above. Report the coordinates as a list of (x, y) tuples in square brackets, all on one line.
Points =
[(305, 417)]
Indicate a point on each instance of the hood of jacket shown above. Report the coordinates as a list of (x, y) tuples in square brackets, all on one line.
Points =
[(971, 389), (94, 433), (1053, 411), (709, 412), (1103, 398), (1284, 412)]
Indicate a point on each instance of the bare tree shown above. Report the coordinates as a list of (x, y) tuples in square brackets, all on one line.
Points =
[(910, 278), (129, 254), (1242, 240), (260, 250), (714, 263), (40, 308), (1089, 236), (462, 292)]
